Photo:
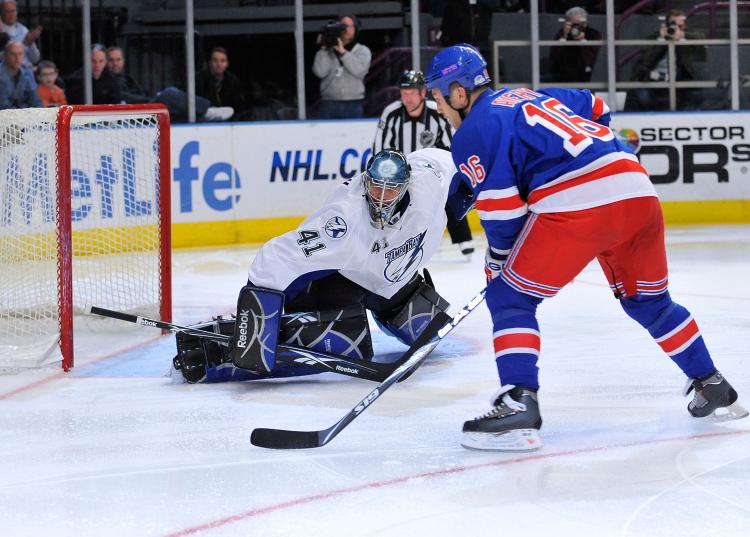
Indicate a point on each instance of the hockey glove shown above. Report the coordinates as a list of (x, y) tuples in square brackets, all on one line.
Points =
[(493, 264)]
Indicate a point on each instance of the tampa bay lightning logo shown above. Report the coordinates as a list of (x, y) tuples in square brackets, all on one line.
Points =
[(335, 227), (404, 260)]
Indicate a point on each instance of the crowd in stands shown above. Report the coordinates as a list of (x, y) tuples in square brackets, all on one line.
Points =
[(28, 79)]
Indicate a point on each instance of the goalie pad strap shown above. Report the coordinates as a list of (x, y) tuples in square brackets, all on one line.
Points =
[(344, 331), (302, 318)]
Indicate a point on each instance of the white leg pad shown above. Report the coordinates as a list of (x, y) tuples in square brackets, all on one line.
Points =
[(516, 440)]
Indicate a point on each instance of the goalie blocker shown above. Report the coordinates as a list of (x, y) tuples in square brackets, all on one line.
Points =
[(260, 327)]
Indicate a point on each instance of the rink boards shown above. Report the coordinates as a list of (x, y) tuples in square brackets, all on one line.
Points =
[(247, 182)]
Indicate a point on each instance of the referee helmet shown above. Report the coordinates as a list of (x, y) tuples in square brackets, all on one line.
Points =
[(411, 79)]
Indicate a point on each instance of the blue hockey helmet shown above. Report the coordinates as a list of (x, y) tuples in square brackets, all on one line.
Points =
[(386, 180), (460, 63)]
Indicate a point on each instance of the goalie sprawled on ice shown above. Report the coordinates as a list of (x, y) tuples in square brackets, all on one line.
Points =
[(309, 289)]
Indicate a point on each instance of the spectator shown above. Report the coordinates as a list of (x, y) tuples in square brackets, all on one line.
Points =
[(19, 33), (653, 64), (175, 99), (17, 85), (50, 93), (574, 63), (130, 91), (219, 85), (105, 89), (341, 64)]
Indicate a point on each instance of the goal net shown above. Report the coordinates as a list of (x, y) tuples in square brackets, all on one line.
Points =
[(84, 219)]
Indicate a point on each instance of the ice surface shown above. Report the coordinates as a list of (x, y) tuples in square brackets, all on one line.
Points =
[(118, 448)]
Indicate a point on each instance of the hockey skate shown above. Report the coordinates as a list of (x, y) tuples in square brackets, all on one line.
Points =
[(714, 399), (513, 425)]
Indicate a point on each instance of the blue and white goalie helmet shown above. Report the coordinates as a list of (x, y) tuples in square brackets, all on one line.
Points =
[(386, 181)]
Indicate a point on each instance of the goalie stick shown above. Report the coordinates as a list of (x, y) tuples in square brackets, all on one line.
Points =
[(221, 339), (285, 439), (322, 361)]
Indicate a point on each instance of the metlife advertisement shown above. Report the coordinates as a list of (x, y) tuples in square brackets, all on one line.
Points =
[(246, 182)]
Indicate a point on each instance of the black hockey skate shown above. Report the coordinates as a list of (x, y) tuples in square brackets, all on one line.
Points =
[(713, 398), (512, 425)]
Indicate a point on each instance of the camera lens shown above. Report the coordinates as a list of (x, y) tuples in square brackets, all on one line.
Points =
[(575, 31)]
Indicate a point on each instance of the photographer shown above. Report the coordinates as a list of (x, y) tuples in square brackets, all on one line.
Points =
[(574, 64), (653, 65), (341, 64)]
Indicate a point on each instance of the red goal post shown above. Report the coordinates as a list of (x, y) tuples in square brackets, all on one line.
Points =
[(85, 219)]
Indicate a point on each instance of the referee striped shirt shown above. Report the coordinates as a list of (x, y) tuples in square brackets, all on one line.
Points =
[(398, 130)]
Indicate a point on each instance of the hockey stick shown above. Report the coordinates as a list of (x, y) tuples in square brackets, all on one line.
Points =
[(221, 339), (289, 320), (284, 439), (290, 354)]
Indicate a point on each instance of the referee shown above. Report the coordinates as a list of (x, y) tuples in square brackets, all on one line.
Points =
[(413, 123)]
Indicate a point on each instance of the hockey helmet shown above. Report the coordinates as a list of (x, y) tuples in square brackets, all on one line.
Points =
[(411, 79), (386, 180), (460, 63)]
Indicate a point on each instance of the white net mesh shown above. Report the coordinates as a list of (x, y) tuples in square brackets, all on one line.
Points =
[(115, 220)]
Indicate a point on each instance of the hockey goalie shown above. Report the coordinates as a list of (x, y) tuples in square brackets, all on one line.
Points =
[(311, 288)]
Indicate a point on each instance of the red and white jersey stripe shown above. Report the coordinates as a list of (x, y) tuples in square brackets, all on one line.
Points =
[(500, 204), (598, 107), (613, 177)]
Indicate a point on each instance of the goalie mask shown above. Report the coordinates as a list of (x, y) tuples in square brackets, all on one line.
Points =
[(386, 181)]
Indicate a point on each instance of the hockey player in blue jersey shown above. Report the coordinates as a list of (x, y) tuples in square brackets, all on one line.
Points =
[(555, 189), (361, 251)]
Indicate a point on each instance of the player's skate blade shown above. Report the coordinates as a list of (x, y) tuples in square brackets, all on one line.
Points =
[(515, 440), (512, 425), (735, 411)]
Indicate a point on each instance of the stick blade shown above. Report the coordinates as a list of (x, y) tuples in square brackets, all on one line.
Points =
[(281, 439)]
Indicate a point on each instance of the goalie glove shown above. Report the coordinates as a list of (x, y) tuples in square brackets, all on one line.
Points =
[(493, 262)]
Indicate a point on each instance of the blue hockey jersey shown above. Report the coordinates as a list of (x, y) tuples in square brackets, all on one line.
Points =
[(549, 150)]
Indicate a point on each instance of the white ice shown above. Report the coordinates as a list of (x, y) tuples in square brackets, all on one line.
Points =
[(117, 448)]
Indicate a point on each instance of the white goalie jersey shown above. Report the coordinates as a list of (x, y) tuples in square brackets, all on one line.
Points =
[(341, 236)]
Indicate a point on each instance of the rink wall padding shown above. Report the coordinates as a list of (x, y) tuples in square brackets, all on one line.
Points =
[(248, 182)]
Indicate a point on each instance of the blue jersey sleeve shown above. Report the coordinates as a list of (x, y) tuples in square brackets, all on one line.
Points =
[(489, 171)]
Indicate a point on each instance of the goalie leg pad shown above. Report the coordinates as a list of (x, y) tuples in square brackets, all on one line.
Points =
[(407, 322), (256, 331), (342, 331)]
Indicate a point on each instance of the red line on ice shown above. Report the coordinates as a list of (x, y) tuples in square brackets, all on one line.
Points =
[(435, 473)]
